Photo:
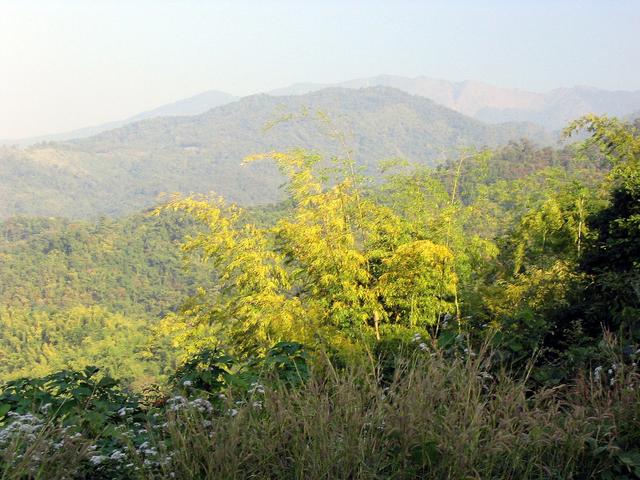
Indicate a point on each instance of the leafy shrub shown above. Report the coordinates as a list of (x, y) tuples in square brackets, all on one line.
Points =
[(71, 396), (212, 371)]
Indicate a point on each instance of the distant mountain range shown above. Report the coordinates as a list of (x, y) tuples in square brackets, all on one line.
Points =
[(124, 169), (551, 110), (189, 106)]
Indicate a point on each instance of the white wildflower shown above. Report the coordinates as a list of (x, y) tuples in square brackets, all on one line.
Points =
[(97, 459), (117, 455), (256, 388), (201, 405), (143, 446), (177, 403), (596, 373), (124, 410)]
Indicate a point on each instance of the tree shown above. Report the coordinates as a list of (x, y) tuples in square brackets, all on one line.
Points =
[(340, 264), (612, 259)]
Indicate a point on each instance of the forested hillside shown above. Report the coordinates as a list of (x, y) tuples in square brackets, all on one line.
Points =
[(124, 170), (131, 265), (495, 296), (115, 279), (91, 292), (84, 293)]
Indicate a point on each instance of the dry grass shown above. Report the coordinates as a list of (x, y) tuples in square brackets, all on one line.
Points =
[(433, 418)]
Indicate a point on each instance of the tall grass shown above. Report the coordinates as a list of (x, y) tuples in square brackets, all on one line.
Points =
[(427, 417), (434, 418)]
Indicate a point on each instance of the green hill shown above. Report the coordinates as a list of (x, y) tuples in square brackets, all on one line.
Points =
[(124, 170)]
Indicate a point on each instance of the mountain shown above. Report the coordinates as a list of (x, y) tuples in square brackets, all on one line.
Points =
[(125, 169), (551, 110), (560, 106), (189, 106), (464, 97)]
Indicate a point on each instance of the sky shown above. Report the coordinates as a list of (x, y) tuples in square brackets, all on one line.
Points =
[(72, 64)]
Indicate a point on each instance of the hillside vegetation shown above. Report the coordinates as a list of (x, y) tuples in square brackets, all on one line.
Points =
[(132, 267), (125, 170), (474, 320)]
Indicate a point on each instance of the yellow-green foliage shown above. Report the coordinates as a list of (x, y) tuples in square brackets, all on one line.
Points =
[(419, 278), (36, 343), (340, 264)]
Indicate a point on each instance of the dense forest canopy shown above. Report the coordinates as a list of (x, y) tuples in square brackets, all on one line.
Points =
[(131, 265)]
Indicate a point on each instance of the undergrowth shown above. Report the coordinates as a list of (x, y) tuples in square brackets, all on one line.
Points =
[(425, 414)]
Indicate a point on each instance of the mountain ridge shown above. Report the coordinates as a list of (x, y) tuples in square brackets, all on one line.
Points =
[(483, 101), (489, 103), (193, 105), (125, 169)]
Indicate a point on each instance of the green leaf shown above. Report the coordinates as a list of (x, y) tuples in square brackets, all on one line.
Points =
[(446, 339), (631, 459)]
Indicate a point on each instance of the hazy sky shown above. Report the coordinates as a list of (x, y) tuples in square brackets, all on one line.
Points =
[(70, 64)]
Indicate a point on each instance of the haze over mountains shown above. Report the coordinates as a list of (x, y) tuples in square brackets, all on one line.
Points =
[(551, 110), (123, 170), (188, 106), (197, 144), (488, 103)]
